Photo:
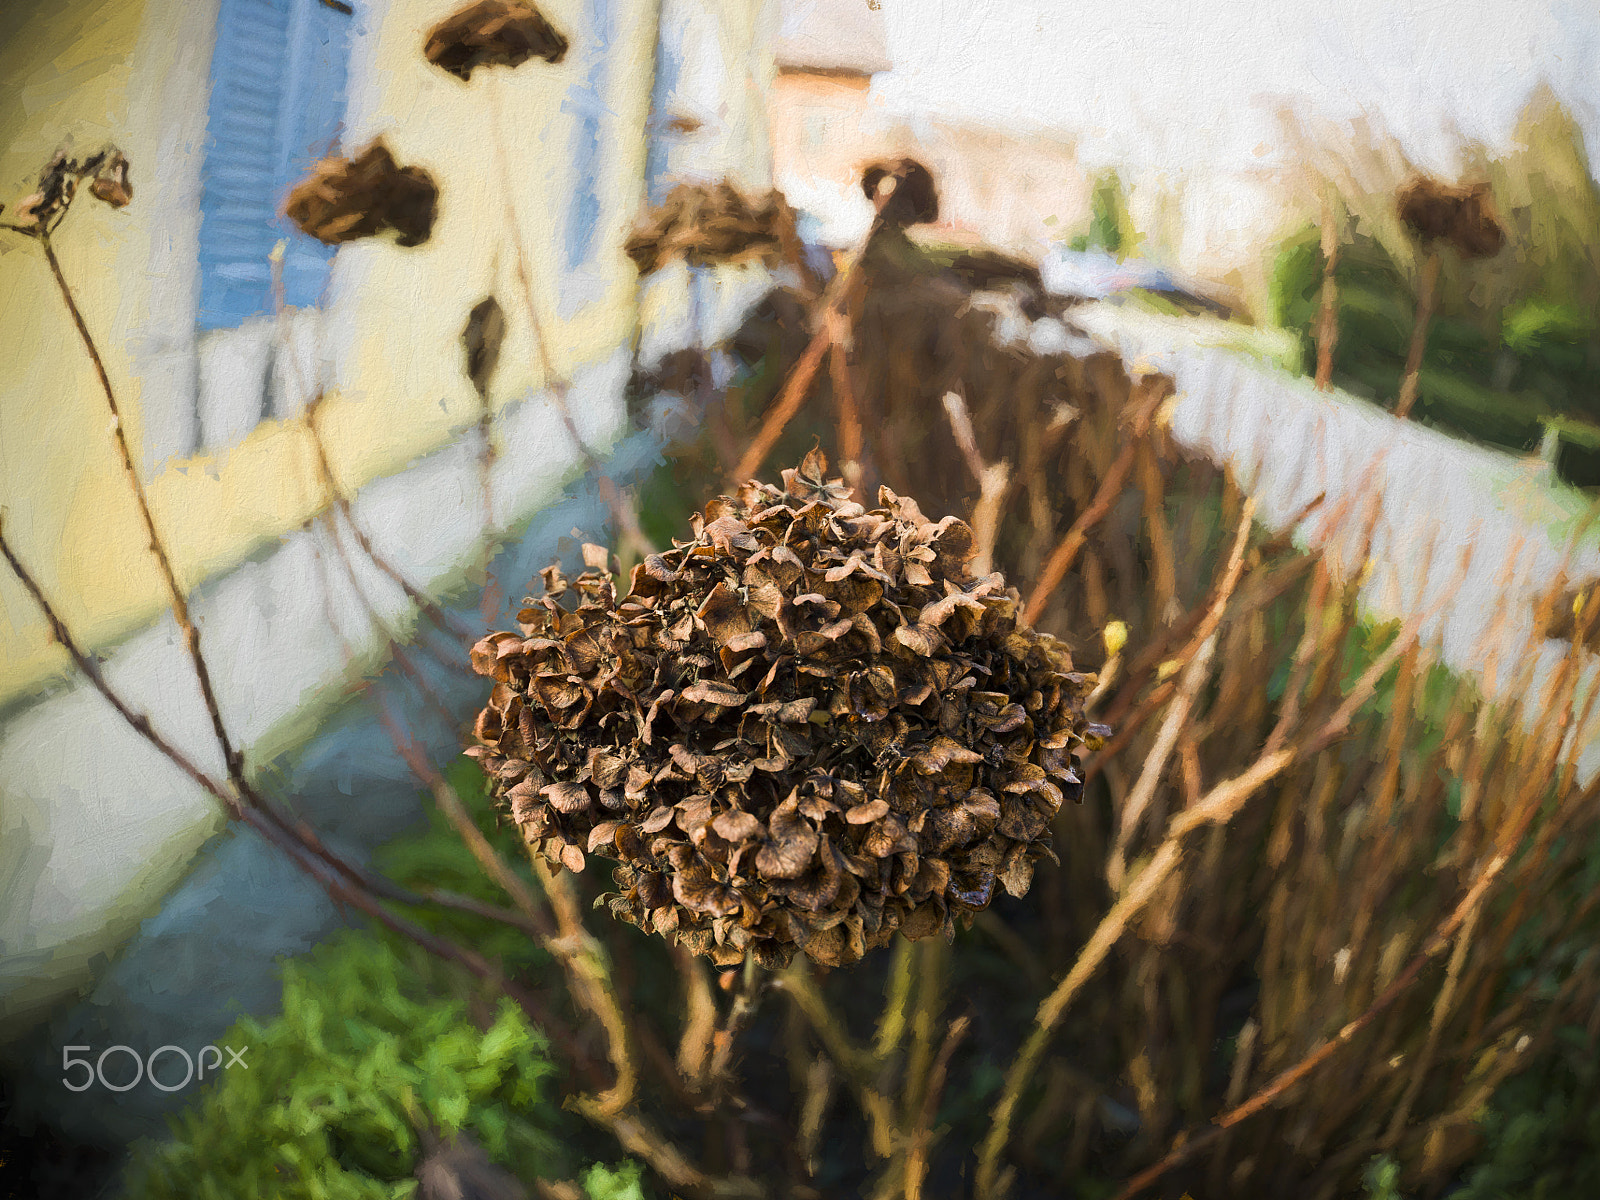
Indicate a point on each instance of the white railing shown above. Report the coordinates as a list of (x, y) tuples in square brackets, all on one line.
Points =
[(1439, 501)]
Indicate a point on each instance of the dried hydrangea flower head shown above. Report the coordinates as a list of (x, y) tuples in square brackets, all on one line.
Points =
[(903, 192), (1464, 217), (493, 33), (706, 225), (806, 727), (345, 199), (110, 184), (107, 172)]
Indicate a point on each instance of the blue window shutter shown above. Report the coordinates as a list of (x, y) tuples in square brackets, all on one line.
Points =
[(585, 100), (277, 98)]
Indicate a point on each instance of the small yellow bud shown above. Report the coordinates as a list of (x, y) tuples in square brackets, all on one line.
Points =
[(1116, 637)]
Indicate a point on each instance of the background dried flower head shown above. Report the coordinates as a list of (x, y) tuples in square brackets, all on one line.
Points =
[(106, 170), (804, 728), (1463, 217), (345, 199), (704, 225), (493, 33), (904, 191)]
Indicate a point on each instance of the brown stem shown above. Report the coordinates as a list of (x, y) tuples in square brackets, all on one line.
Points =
[(790, 398), (700, 1017), (831, 327), (1196, 671), (495, 867), (623, 516), (591, 986), (565, 938), (1062, 558), (1219, 806), (844, 397), (1427, 299), (291, 835), (993, 484), (232, 757), (1436, 944), (743, 1008), (921, 1140)]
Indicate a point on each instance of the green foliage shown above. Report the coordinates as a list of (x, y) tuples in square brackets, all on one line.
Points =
[(375, 1034), (1382, 1179), (1515, 342), (322, 1111), (1541, 1133), (1471, 381), (1110, 227), (613, 1183), (1542, 1130)]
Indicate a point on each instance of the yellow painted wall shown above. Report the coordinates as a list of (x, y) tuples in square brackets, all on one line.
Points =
[(133, 73)]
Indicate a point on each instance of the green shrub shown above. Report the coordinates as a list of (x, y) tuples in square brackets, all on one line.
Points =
[(372, 1031)]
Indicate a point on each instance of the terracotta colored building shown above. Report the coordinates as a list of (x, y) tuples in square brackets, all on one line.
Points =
[(1020, 192)]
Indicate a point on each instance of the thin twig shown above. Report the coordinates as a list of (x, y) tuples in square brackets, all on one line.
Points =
[(832, 326), (1436, 944), (921, 1137), (232, 757), (844, 398), (1328, 303), (739, 1015), (623, 516), (1427, 298), (1219, 805), (292, 836), (992, 485), (1195, 673), (1062, 558)]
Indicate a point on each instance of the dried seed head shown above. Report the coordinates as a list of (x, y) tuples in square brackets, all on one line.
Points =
[(106, 170), (493, 33), (481, 340), (1464, 217), (345, 199), (706, 225), (805, 727), (110, 183), (903, 191)]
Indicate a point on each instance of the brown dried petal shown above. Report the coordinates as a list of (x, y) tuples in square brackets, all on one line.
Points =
[(792, 843), (940, 753), (1016, 876), (888, 836), (706, 692), (866, 814), (922, 639), (566, 797), (737, 826), (603, 835), (572, 857)]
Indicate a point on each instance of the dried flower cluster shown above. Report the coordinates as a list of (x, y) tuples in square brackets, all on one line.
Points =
[(704, 225), (493, 33), (903, 192), (805, 728), (1464, 217), (106, 171), (345, 199)]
